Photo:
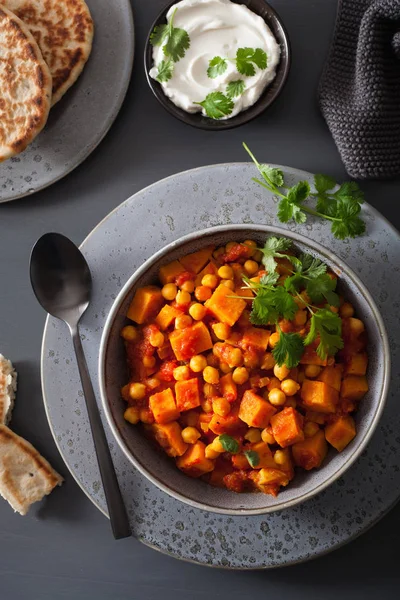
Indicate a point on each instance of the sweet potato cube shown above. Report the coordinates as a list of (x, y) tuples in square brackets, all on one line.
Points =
[(145, 304), (223, 307), (244, 293), (228, 387), (310, 453), (210, 269), (316, 417), (240, 462), (168, 273), (310, 357), (196, 261), (265, 455), (190, 341), (319, 397), (255, 411), (187, 394), (169, 436), (287, 427), (163, 407), (194, 462), (332, 376), (166, 316), (357, 364), (272, 476), (354, 387), (257, 338), (340, 433), (230, 424)]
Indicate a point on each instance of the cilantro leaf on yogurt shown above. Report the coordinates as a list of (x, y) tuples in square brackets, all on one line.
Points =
[(217, 66), (165, 70), (235, 88), (245, 57), (217, 105)]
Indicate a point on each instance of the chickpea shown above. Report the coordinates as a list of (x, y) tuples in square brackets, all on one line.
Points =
[(129, 333), (268, 361), (357, 327), (281, 372), (229, 283), (300, 318), (251, 360), (251, 267), (146, 416), (225, 368), (132, 415), (190, 435), (273, 339), (183, 321), (235, 358), (230, 245), (251, 244), (202, 293), (211, 375), (253, 435), (197, 311), (125, 392), (280, 457), (310, 429), (217, 446), (210, 281), (221, 330), (210, 453), (267, 437), (209, 390), (188, 286), (169, 291), (276, 397), (221, 407), (346, 310), (257, 255), (289, 387), (312, 371), (225, 272), (182, 298), (240, 375), (198, 363), (274, 384), (153, 383), (206, 406), (137, 391), (157, 339), (149, 362), (181, 373)]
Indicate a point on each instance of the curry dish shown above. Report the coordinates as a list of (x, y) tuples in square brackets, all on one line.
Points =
[(244, 364)]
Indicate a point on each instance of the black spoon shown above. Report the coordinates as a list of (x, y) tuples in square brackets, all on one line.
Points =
[(62, 283)]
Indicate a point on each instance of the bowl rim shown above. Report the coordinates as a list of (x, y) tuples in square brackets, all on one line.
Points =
[(268, 230), (252, 112)]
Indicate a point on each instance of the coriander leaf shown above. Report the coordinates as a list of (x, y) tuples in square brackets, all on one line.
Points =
[(323, 183), (350, 192), (273, 249), (328, 326), (159, 35), (229, 443), (294, 283), (284, 303), (322, 287), (285, 210), (272, 175), (289, 350), (246, 56), (299, 192), (350, 224), (298, 215), (235, 88), (269, 279), (325, 204), (217, 66), (253, 457), (217, 105), (177, 44), (263, 309), (165, 70), (311, 266)]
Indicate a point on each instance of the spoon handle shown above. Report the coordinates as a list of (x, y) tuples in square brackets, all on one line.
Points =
[(116, 508)]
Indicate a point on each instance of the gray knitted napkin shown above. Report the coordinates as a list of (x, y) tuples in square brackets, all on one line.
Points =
[(359, 92)]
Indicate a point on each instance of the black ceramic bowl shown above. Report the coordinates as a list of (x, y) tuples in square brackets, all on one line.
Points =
[(272, 19)]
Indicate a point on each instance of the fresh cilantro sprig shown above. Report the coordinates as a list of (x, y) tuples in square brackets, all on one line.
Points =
[(235, 88), (246, 58), (253, 457), (217, 66), (175, 41), (289, 349), (217, 105), (327, 326), (229, 443), (342, 206)]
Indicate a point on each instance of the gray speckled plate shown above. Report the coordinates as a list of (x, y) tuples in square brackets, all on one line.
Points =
[(222, 194), (78, 123)]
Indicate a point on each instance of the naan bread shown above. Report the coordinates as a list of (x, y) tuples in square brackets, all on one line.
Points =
[(25, 476), (25, 86), (64, 31), (8, 387)]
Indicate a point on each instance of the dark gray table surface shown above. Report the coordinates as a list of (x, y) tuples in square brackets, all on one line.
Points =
[(64, 548)]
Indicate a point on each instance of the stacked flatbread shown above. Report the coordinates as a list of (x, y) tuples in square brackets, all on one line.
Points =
[(25, 476), (44, 46)]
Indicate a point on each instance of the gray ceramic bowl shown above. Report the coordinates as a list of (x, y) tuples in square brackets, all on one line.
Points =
[(270, 94), (160, 469)]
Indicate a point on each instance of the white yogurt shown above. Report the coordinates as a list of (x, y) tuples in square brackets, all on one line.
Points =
[(217, 28)]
